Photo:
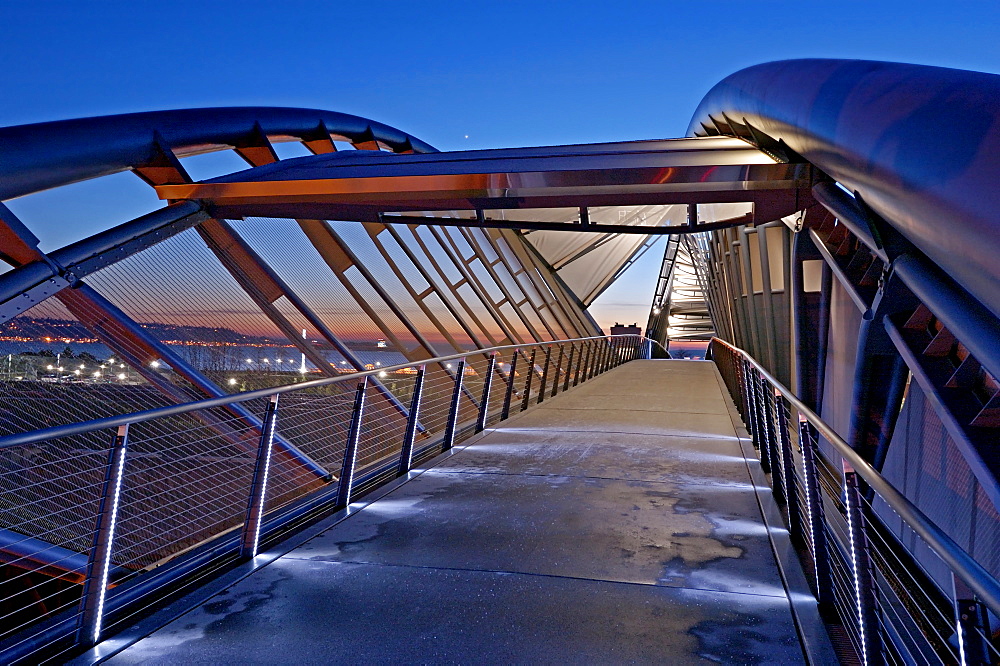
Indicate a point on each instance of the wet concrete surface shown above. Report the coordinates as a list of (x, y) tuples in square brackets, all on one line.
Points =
[(549, 539)]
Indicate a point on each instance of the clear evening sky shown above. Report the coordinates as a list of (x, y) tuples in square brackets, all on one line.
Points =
[(456, 74)]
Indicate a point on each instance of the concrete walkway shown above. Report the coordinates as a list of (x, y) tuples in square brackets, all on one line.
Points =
[(615, 523)]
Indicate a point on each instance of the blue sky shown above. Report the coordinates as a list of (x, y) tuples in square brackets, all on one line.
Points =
[(503, 74)]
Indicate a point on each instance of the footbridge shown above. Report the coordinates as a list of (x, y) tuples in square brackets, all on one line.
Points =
[(340, 395)]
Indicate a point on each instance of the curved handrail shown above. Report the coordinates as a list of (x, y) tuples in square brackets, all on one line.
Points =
[(72, 429), (41, 156), (981, 581), (920, 144)]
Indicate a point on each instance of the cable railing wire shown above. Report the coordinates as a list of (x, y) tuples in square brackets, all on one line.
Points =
[(891, 607), (185, 487)]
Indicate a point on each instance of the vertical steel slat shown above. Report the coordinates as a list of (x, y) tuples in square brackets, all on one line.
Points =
[(555, 380), (258, 486), (484, 404), (759, 415), (456, 400), (569, 368), (95, 587), (815, 523), (579, 364), (410, 434), (788, 459), (351, 450), (864, 583), (774, 451), (587, 363), (545, 374), (527, 382), (509, 392)]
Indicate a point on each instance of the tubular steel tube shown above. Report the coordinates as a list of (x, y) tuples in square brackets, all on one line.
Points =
[(979, 580), (139, 417)]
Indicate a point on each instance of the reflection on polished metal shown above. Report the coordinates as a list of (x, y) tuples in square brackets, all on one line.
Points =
[(835, 219)]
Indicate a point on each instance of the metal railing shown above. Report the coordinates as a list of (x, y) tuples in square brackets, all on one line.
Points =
[(888, 580), (100, 521)]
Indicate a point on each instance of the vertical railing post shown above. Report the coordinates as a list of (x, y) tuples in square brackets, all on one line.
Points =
[(788, 465), (569, 367), (972, 624), (555, 379), (750, 417), (864, 584), (410, 434), (351, 450), (258, 487), (579, 364), (815, 528), (484, 404), (527, 381), (606, 360), (744, 366), (509, 392), (95, 586), (648, 351), (587, 365), (767, 394), (545, 374), (758, 421), (456, 400)]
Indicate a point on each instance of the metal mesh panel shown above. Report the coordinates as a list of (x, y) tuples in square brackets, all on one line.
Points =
[(926, 465)]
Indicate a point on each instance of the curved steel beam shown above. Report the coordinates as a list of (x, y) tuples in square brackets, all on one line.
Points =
[(920, 144), (45, 155)]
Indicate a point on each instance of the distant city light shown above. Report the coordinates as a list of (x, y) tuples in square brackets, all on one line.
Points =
[(48, 367), (83, 367), (97, 374), (383, 374), (121, 375), (154, 364), (232, 381), (76, 372), (249, 360)]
